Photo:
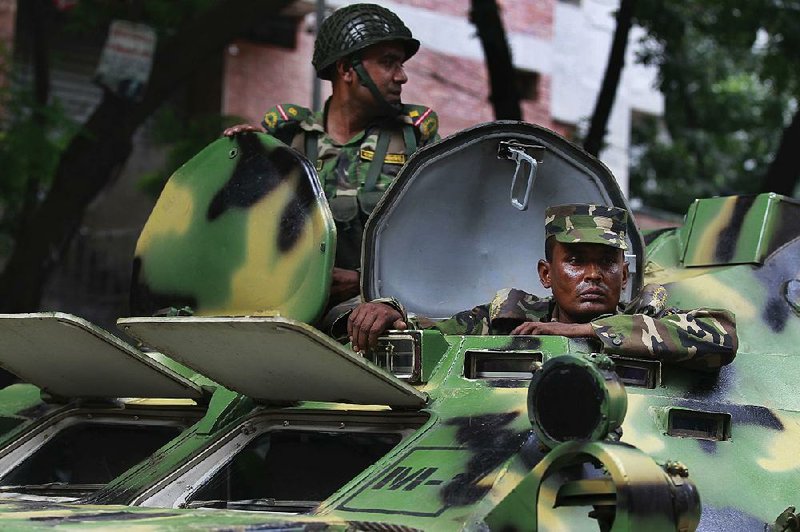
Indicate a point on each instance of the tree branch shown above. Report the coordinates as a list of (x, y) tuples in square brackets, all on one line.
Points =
[(784, 171), (502, 76), (608, 90)]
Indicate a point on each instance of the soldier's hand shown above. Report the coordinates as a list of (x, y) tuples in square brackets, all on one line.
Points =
[(345, 285), (241, 128), (370, 320), (554, 328)]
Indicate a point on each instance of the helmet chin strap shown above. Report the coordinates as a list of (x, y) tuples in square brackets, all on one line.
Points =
[(390, 109)]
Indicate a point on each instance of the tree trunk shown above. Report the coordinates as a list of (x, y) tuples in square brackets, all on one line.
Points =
[(784, 172), (40, 33), (105, 143), (503, 91), (608, 90)]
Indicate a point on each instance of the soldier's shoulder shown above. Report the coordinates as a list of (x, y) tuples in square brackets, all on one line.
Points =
[(512, 302), (423, 118), (285, 114)]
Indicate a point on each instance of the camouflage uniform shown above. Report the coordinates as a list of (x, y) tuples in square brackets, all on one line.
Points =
[(353, 185), (645, 328)]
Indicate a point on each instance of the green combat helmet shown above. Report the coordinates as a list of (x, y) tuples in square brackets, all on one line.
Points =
[(353, 28)]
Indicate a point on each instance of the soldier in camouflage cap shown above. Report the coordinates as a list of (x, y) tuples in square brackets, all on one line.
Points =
[(365, 133), (592, 224), (585, 268)]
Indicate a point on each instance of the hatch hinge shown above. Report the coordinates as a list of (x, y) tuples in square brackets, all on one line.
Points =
[(528, 157)]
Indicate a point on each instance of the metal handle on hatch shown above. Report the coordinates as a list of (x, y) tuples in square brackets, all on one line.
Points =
[(516, 152)]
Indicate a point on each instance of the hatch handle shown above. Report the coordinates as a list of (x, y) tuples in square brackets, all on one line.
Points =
[(517, 152)]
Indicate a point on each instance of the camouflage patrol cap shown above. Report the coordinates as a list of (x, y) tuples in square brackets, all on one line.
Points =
[(587, 223), (353, 28)]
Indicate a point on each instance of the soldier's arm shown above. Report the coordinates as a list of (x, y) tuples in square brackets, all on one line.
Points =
[(475, 321), (241, 128), (701, 338)]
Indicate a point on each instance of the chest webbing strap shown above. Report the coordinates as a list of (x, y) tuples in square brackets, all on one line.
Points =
[(375, 166), (410, 139), (311, 147)]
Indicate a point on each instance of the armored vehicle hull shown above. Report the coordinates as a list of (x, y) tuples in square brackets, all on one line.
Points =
[(444, 432)]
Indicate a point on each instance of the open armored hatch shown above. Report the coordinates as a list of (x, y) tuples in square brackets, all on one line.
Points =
[(256, 342), (465, 217), (279, 363), (89, 429), (270, 356)]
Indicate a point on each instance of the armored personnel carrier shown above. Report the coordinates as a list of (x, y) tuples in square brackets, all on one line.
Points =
[(439, 432)]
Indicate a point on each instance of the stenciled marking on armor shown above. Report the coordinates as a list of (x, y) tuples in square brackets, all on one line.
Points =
[(257, 173), (407, 479)]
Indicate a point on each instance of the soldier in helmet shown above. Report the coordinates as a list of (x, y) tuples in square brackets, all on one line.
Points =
[(365, 133), (584, 266)]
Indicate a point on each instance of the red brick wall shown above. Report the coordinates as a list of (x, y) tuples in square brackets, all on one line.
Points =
[(534, 17), (258, 76), (458, 90)]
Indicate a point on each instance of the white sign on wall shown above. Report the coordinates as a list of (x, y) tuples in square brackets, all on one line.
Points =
[(127, 58)]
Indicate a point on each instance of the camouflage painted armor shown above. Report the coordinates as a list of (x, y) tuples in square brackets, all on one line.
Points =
[(352, 182), (646, 328)]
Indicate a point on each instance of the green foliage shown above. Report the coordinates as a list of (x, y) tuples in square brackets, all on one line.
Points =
[(183, 138), (729, 84)]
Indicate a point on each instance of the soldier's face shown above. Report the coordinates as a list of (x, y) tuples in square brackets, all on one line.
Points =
[(586, 280), (384, 64)]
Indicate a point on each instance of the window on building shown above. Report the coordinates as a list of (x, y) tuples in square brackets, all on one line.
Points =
[(528, 85)]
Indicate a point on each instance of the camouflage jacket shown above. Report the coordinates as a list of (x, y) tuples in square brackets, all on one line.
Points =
[(353, 185), (645, 328)]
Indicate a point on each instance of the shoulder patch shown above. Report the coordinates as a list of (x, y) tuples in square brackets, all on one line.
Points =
[(282, 114), (424, 119)]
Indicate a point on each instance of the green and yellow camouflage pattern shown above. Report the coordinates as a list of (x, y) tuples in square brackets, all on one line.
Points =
[(344, 168), (241, 229), (587, 224)]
